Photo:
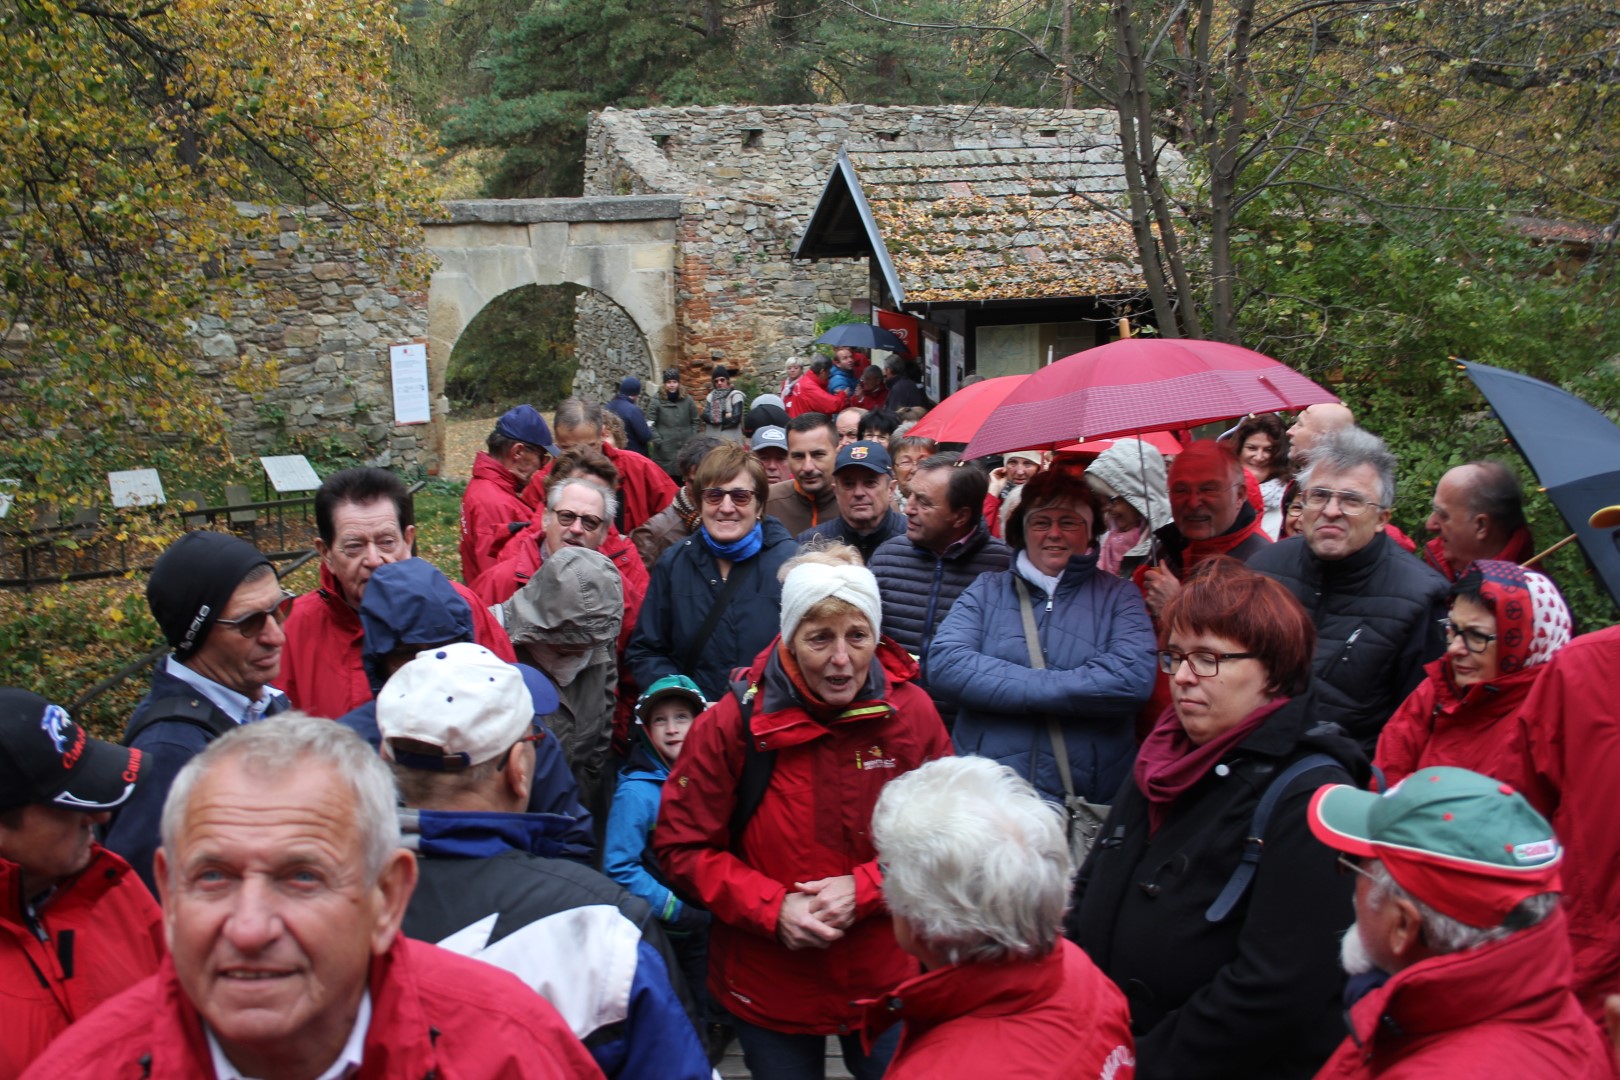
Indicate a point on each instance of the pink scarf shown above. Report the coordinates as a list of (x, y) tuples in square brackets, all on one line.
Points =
[(1168, 764), (1115, 546)]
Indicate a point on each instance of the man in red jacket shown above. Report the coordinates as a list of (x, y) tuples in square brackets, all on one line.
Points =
[(76, 924), (1478, 514), (1002, 994), (644, 488), (810, 393), (1459, 959), (492, 509), (363, 517), (284, 885)]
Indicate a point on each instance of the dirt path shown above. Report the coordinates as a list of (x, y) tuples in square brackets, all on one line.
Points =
[(463, 437)]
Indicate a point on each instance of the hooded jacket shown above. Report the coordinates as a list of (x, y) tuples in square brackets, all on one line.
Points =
[(321, 667), (627, 847), (644, 488), (686, 583), (411, 603), (813, 822), (99, 933), (1256, 994), (489, 889), (812, 394), (674, 422), (1098, 643), (490, 507), (525, 554), (1498, 1012), (1134, 470), (1050, 1018), (433, 1014), (1377, 613)]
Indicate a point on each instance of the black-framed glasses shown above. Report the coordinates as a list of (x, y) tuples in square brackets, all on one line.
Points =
[(1475, 641), (251, 625), (741, 498), (566, 519), (1203, 662), (1351, 503)]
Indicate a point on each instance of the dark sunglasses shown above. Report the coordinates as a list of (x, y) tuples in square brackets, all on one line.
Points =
[(741, 498), (251, 625), (567, 518)]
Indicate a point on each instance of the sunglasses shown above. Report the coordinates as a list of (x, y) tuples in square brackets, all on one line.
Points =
[(566, 519), (251, 625), (741, 498)]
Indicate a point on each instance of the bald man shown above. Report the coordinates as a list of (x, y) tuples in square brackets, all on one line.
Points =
[(1310, 425), (1478, 514)]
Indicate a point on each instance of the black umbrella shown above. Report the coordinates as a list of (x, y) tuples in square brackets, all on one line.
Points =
[(1573, 449), (863, 336)]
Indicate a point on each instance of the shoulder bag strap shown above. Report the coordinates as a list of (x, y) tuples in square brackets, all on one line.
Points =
[(1238, 883), (700, 641), (1037, 660)]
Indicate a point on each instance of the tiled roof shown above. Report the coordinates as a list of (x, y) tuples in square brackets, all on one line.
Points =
[(1001, 223)]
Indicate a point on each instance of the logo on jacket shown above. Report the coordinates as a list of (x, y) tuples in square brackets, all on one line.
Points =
[(872, 758)]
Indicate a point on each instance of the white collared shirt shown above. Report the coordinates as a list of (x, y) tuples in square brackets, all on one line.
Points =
[(236, 706), (347, 1063)]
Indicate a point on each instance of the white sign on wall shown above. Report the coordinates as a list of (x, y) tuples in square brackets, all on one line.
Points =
[(410, 373)]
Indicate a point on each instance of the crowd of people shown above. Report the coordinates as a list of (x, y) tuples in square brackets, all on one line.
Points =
[(770, 721)]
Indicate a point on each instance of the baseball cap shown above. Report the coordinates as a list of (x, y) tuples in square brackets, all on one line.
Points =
[(769, 437), (525, 424), (1466, 845), (866, 454), (462, 699), (47, 758), (678, 686)]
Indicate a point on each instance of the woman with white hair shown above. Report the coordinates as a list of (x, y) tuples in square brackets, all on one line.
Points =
[(976, 873), (766, 821)]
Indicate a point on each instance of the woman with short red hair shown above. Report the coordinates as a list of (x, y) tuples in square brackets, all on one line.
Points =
[(1228, 971)]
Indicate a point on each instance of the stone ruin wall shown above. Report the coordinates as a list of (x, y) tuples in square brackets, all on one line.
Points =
[(326, 319), (752, 176)]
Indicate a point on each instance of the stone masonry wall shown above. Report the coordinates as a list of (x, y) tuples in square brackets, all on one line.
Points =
[(752, 176), (326, 319), (607, 346)]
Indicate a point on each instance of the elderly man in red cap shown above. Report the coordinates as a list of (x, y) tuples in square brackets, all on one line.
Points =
[(1459, 960)]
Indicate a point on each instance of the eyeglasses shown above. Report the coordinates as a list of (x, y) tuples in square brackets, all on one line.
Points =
[(566, 519), (741, 498), (251, 625), (536, 733), (1349, 864), (1204, 663), (1351, 503), (1203, 491), (1475, 641), (1061, 524)]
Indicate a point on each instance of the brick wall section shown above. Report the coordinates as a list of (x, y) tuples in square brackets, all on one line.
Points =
[(326, 319), (752, 176)]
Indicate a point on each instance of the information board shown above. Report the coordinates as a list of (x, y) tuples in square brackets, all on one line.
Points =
[(290, 472), (410, 374), (136, 487)]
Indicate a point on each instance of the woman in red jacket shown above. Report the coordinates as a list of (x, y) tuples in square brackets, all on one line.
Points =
[(1505, 623), (766, 820)]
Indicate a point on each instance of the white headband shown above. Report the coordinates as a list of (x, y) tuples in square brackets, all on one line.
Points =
[(810, 583)]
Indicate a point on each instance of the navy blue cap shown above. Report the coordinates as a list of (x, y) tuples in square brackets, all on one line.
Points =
[(525, 424), (866, 454)]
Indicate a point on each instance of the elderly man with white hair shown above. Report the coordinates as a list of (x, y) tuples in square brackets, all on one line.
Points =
[(766, 821), (976, 873)]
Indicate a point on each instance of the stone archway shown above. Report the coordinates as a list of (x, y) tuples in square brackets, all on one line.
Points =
[(621, 246)]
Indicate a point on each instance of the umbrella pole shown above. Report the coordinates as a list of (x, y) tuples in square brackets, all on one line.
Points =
[(1606, 518), (1532, 560)]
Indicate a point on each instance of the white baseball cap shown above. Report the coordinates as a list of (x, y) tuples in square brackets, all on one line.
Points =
[(463, 699)]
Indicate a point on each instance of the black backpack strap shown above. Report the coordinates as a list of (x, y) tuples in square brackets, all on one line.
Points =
[(194, 709), (700, 640), (758, 764), (1238, 883)]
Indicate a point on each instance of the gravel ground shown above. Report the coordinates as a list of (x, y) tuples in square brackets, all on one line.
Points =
[(463, 437)]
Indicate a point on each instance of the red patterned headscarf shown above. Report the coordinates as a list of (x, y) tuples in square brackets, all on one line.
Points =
[(1532, 620)]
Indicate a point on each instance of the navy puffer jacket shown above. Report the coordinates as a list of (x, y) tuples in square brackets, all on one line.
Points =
[(919, 587), (1098, 643)]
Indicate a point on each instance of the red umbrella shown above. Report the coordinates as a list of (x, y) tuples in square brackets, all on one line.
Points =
[(1141, 384), (958, 417), (1163, 441)]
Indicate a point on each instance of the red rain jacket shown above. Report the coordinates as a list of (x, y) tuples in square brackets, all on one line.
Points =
[(433, 1014), (490, 505), (810, 394), (814, 822), (1434, 726), (1500, 1011), (1049, 1019), (644, 488), (320, 664), (103, 933)]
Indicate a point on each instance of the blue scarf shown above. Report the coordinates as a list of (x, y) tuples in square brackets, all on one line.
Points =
[(737, 550)]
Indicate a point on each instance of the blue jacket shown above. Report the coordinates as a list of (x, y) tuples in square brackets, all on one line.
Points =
[(685, 585), (1097, 640), (166, 745), (919, 587), (411, 602), (635, 423), (627, 846), (490, 890)]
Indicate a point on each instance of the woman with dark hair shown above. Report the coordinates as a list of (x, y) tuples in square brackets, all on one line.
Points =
[(680, 631), (1505, 622), (1262, 445), (1079, 683), (1221, 923)]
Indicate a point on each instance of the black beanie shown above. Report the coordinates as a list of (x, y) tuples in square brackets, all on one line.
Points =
[(192, 582)]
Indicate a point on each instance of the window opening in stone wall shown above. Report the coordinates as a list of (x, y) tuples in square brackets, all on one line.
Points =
[(1049, 133), (753, 138)]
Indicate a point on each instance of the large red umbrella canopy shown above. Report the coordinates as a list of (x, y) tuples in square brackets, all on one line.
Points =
[(1162, 441), (958, 417), (1137, 385)]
